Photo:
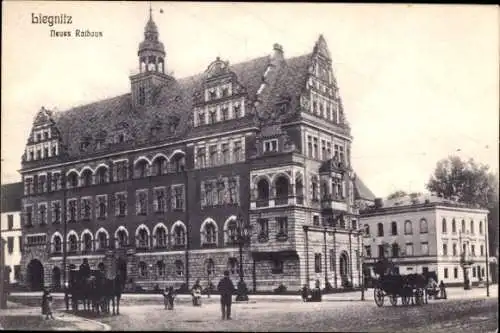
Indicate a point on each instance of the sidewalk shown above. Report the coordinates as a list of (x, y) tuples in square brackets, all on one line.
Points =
[(21, 317)]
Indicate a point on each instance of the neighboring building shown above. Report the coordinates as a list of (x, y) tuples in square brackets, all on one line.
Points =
[(428, 233), (151, 182), (11, 228)]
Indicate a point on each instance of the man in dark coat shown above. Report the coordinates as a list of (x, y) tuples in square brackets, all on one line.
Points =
[(85, 269), (226, 289)]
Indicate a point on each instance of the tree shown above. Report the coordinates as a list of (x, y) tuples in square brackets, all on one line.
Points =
[(471, 183), (397, 194)]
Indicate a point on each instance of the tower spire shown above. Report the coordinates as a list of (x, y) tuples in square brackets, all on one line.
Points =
[(150, 12)]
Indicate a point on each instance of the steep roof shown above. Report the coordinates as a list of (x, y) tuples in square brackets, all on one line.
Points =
[(11, 197), (361, 191), (175, 100)]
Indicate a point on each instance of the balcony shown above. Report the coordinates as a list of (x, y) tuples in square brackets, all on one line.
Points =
[(209, 245), (333, 203), (281, 201)]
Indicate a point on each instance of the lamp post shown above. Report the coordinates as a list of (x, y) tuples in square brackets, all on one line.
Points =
[(361, 268), (487, 262), (243, 229), (3, 289)]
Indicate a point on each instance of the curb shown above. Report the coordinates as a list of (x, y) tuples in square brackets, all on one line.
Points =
[(105, 327)]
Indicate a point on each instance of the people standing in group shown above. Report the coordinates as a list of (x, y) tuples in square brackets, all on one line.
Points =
[(47, 304), (226, 289)]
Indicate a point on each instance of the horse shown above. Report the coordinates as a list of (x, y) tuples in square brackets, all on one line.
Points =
[(112, 293)]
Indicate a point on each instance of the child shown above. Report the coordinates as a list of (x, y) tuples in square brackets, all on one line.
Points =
[(47, 304)]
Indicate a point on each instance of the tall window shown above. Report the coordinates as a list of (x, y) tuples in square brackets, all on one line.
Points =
[(317, 263), (395, 250), (423, 226), (212, 116), (314, 188), (409, 249), (394, 228), (102, 240), (220, 191), (282, 223), (160, 203), (463, 226), (121, 204), (101, 175), (86, 209), (161, 237), (200, 157), (424, 248), (237, 151), (87, 177), (179, 268), (56, 181), (453, 226), (212, 152), (143, 269), (408, 228), (179, 236), (443, 226), (210, 234), (445, 249), (455, 252), (87, 242), (101, 203), (264, 229), (142, 239), (472, 227), (72, 210), (179, 197), (73, 243), (480, 227), (42, 184), (121, 170), (367, 230), (380, 230), (43, 214), (122, 238), (57, 244), (10, 221), (225, 113), (225, 153), (142, 202), (29, 215)]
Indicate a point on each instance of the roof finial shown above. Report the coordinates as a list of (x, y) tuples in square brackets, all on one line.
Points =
[(150, 12)]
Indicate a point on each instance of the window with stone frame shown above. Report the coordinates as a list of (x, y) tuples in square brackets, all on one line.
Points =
[(179, 236), (87, 242), (337, 188), (42, 211), (201, 157), (86, 209), (225, 113), (394, 229), (143, 269), (57, 244), (161, 237), (102, 209), (87, 178), (28, 216), (233, 191), (282, 224), (73, 243), (160, 266), (201, 118), (55, 181), (314, 188), (408, 228), (277, 266), (368, 251), (212, 153), (28, 186), (179, 268), (141, 202), (237, 151), (395, 250), (263, 229), (102, 240), (221, 191), (121, 204), (178, 197), (423, 226), (141, 169), (210, 234), (231, 232), (160, 200), (101, 175), (225, 157), (212, 116), (121, 171), (42, 183), (122, 238), (72, 210), (237, 111), (317, 263), (142, 239)]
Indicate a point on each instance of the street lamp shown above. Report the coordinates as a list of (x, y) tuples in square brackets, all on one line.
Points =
[(361, 270), (243, 231)]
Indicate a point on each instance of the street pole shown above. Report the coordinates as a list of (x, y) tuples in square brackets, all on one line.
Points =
[(487, 261), (65, 227), (3, 298), (188, 226)]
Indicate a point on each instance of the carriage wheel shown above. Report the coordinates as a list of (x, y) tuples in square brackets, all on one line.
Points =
[(394, 300), (405, 300), (378, 295)]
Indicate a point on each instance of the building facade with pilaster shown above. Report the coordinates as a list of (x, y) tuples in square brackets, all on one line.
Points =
[(151, 183)]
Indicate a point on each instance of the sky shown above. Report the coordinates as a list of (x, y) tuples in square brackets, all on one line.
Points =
[(418, 82)]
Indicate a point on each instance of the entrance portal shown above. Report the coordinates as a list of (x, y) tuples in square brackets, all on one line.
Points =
[(35, 275), (344, 266)]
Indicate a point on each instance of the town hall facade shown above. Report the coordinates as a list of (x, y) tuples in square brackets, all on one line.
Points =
[(152, 183)]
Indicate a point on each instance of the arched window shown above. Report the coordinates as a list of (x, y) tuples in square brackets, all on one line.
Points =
[(179, 268), (72, 180), (394, 228), (142, 238), (102, 240), (423, 226), (282, 188), (57, 244), (444, 226), (299, 187), (231, 232), (73, 243), (159, 165), (380, 230), (177, 162), (408, 228), (481, 227), (122, 238), (453, 226), (263, 190), (179, 236), (143, 269), (160, 266), (367, 230), (87, 242), (141, 169), (210, 234), (101, 175), (161, 237), (87, 177)]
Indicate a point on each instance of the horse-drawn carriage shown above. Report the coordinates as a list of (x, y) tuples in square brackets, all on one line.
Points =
[(94, 290)]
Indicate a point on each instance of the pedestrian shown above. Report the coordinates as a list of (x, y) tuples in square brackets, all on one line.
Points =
[(305, 293), (47, 304), (316, 293), (442, 289), (196, 293), (226, 289), (170, 297)]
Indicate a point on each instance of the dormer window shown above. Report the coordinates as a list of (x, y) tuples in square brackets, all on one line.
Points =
[(271, 145), (99, 144), (225, 92), (38, 137)]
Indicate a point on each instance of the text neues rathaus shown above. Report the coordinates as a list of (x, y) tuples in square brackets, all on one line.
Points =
[(156, 179)]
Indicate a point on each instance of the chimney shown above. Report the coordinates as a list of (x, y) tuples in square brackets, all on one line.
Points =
[(378, 203), (277, 52)]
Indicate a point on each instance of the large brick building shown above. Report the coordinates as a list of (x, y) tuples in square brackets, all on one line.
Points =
[(151, 182)]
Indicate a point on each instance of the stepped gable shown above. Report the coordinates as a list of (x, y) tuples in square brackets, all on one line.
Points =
[(174, 103)]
